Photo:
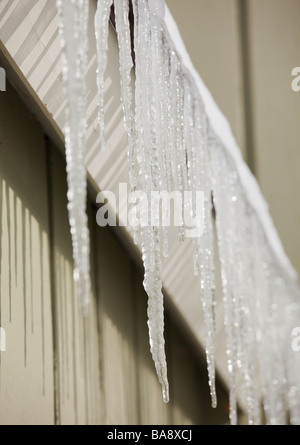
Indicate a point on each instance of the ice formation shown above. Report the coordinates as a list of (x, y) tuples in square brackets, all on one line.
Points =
[(177, 141), (101, 31), (73, 20)]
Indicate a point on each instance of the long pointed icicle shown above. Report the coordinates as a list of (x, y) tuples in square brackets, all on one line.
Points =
[(147, 153), (73, 19), (207, 243), (101, 32), (155, 304), (224, 246)]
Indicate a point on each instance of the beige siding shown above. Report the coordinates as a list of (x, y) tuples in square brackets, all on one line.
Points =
[(76, 339), (274, 35), (245, 51), (116, 320), (26, 370), (57, 366)]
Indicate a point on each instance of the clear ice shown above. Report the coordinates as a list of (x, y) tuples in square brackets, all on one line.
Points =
[(172, 147), (101, 32), (73, 19)]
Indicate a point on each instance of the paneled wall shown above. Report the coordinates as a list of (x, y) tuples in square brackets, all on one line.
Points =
[(274, 34), (245, 51), (26, 369), (58, 367)]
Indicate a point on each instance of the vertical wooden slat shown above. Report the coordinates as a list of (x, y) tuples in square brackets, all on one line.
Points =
[(189, 395), (245, 69), (26, 369), (185, 384), (93, 368), (116, 323), (274, 36)]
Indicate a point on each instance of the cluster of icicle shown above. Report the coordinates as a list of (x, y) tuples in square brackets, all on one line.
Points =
[(172, 146)]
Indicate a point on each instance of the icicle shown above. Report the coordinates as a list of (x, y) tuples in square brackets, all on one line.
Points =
[(73, 18), (244, 302), (101, 32), (222, 217), (147, 154), (160, 101), (208, 299), (174, 146), (199, 174), (234, 239), (189, 136), (126, 63)]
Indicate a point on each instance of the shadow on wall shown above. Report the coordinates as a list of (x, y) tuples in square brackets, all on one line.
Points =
[(24, 273)]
